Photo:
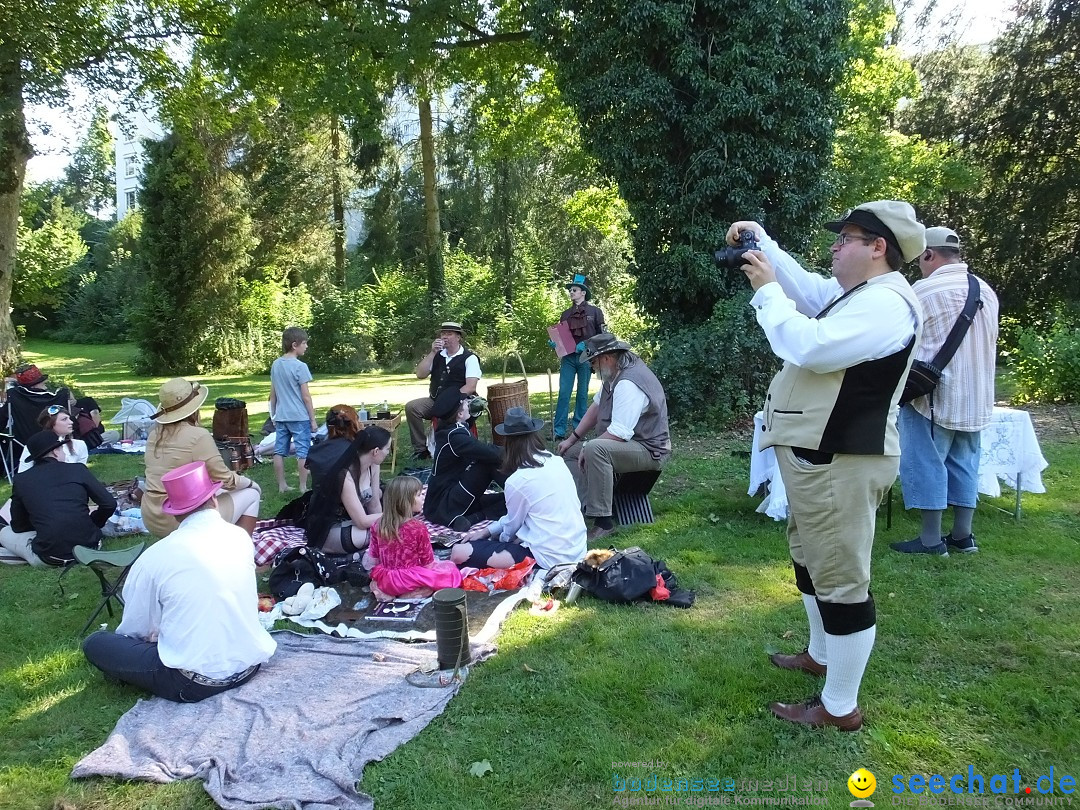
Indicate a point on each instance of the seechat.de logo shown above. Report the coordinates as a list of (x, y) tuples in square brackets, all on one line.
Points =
[(862, 785)]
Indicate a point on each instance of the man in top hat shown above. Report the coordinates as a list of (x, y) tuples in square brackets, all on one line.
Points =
[(631, 421), (847, 343), (28, 396), (449, 365), (48, 506), (939, 434), (584, 321), (463, 468), (190, 627)]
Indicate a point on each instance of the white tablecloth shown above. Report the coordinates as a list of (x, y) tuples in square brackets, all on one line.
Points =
[(1009, 448)]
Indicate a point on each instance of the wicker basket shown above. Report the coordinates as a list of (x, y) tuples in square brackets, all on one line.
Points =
[(505, 395)]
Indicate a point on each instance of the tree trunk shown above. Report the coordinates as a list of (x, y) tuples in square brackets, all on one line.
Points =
[(339, 204), (504, 212), (432, 228), (15, 151)]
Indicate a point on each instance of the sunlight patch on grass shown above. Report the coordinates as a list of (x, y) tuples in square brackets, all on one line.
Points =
[(42, 703)]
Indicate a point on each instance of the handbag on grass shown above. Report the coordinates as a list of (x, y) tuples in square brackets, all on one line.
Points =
[(924, 377)]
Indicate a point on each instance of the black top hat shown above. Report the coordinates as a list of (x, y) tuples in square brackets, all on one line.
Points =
[(447, 403), (579, 280), (518, 422), (42, 443)]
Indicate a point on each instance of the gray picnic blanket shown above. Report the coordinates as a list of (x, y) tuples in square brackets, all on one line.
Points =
[(297, 735)]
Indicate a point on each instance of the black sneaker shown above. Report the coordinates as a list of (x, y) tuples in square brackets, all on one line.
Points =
[(916, 547), (965, 545)]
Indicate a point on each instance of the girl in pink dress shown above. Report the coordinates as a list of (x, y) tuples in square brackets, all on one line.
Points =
[(400, 550)]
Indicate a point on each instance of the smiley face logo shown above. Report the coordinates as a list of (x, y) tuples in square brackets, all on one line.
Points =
[(862, 784)]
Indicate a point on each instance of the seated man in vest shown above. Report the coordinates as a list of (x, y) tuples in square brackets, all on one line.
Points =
[(449, 365), (630, 417), (847, 343), (190, 627), (48, 506)]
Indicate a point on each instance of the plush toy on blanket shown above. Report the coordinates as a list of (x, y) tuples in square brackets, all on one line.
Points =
[(400, 556)]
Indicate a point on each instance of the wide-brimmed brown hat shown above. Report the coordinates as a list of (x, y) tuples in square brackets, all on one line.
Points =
[(179, 399), (602, 344), (518, 422)]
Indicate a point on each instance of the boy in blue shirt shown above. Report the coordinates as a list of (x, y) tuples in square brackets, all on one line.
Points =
[(290, 405)]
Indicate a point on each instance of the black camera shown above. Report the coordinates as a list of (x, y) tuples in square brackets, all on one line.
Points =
[(731, 257)]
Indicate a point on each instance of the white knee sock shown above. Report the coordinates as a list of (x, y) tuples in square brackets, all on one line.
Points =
[(817, 630), (847, 663)]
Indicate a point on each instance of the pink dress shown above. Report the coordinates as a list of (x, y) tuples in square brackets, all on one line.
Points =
[(408, 563)]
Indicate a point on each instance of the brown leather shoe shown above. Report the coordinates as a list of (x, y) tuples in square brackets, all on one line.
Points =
[(812, 713), (800, 661)]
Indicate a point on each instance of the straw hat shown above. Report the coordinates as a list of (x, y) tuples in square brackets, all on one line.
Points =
[(179, 400)]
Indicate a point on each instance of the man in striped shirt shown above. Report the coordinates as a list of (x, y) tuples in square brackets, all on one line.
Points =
[(939, 446)]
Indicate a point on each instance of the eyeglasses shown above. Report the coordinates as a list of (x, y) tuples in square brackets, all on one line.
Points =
[(53, 410), (844, 238)]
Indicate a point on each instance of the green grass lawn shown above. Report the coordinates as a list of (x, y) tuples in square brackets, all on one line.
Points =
[(976, 660)]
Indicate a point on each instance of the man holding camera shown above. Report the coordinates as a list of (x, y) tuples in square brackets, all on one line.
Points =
[(939, 433), (847, 343), (449, 365)]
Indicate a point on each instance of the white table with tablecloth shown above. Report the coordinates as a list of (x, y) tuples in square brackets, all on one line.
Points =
[(1009, 452)]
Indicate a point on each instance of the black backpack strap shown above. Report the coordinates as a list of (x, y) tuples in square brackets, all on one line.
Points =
[(963, 323)]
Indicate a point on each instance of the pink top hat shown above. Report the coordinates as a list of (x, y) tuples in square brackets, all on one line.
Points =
[(187, 488)]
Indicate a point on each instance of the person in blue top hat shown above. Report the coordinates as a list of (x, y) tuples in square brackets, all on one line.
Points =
[(585, 320)]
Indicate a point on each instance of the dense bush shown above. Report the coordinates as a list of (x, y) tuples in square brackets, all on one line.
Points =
[(1046, 364), (341, 333), (718, 371)]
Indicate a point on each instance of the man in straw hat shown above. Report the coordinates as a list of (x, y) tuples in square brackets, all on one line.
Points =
[(939, 434), (631, 421), (449, 365), (847, 343), (190, 627), (48, 506)]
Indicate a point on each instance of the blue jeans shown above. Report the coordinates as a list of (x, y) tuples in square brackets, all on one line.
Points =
[(940, 470), (136, 662), (570, 369)]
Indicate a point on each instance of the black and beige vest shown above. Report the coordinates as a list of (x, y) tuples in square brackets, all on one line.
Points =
[(852, 410)]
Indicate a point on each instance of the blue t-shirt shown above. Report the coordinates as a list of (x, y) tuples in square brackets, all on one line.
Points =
[(287, 374)]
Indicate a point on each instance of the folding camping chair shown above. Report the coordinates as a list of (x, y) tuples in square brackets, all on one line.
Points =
[(23, 407), (104, 563)]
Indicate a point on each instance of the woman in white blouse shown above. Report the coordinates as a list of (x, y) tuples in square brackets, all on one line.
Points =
[(58, 420), (543, 514)]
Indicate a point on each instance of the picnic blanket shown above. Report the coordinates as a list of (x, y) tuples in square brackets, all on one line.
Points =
[(273, 536), (345, 611), (297, 735)]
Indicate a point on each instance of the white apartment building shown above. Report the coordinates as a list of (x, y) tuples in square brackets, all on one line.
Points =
[(128, 138)]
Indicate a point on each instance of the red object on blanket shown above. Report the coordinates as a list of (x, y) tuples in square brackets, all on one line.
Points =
[(660, 592), (489, 580)]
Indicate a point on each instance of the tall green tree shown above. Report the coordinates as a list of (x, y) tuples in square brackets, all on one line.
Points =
[(43, 46), (90, 177), (196, 245), (703, 112), (1027, 218), (49, 257)]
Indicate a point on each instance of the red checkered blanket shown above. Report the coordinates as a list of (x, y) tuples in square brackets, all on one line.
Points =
[(273, 536)]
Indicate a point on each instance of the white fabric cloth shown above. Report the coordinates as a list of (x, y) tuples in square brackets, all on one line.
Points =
[(472, 363), (543, 513), (194, 592), (75, 454), (1008, 446), (628, 403), (964, 400), (868, 328)]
